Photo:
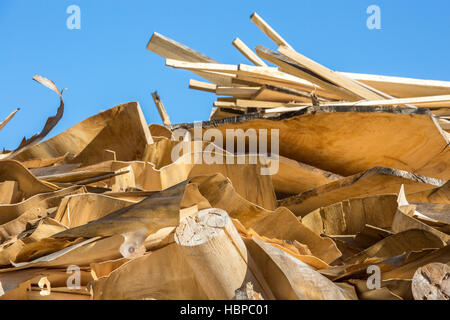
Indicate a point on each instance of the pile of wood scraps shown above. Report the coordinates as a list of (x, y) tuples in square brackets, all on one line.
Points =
[(350, 198)]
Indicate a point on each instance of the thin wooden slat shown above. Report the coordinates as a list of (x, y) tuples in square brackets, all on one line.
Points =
[(281, 94), (424, 102), (328, 74), (170, 49), (248, 53), (8, 118), (268, 30), (237, 92), (200, 66), (300, 84), (202, 86), (161, 110), (401, 87), (291, 67)]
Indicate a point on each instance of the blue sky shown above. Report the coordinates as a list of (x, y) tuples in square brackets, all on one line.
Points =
[(106, 63)]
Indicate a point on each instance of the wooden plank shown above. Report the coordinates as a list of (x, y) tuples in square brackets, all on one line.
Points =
[(227, 105), (281, 94), (423, 102), (170, 49), (200, 66), (268, 73), (328, 74), (161, 110), (291, 67), (352, 216), (243, 104), (259, 104), (300, 85), (268, 30), (237, 92), (202, 86), (248, 53), (227, 99), (402, 87), (8, 118)]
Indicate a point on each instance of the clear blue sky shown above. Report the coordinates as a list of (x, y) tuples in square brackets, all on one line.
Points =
[(106, 63)]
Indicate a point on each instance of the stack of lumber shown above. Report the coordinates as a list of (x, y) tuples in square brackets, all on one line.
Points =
[(359, 207), (295, 82)]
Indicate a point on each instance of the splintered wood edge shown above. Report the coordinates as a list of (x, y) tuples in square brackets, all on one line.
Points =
[(201, 227), (431, 282)]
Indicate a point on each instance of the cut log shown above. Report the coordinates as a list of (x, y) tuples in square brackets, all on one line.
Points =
[(217, 255), (432, 282)]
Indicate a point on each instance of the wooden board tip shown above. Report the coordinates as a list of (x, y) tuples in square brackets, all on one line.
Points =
[(254, 15), (152, 39)]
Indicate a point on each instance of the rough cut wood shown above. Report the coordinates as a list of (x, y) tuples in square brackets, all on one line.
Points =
[(357, 177), (372, 182), (122, 129), (431, 282), (294, 177), (51, 121), (217, 255)]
